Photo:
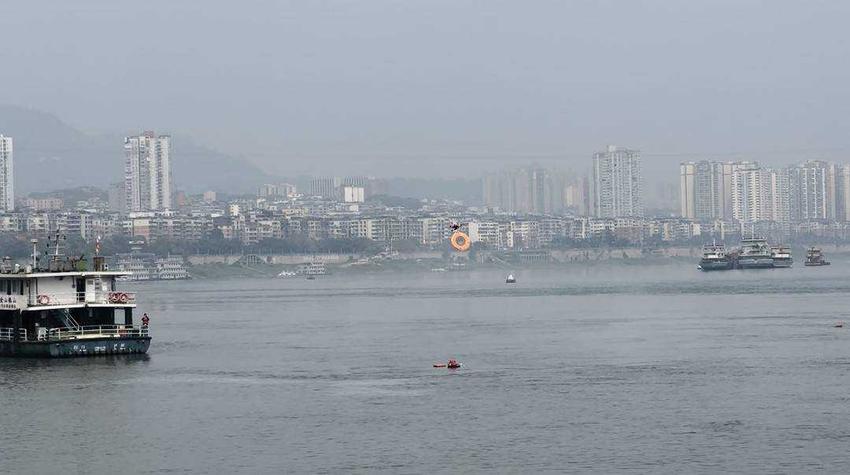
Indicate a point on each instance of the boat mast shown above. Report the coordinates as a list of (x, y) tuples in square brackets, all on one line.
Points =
[(34, 243)]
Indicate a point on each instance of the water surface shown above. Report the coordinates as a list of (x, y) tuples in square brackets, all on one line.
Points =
[(606, 368)]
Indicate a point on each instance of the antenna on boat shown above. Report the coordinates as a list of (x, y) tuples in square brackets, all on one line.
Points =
[(97, 260), (57, 244), (34, 253)]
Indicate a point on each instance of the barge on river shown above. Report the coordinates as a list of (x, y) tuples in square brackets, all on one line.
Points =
[(65, 310)]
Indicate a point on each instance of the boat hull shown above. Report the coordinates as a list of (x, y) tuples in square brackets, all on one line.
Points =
[(714, 265), (72, 348), (755, 263), (780, 263)]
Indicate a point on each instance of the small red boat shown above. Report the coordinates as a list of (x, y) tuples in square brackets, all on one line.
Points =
[(452, 364)]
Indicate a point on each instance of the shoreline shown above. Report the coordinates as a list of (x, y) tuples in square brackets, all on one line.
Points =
[(558, 259), (263, 271)]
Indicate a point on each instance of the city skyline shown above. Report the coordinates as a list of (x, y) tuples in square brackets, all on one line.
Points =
[(744, 191), (814, 190), (84, 159)]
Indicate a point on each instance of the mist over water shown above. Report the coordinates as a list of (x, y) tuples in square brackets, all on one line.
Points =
[(652, 368)]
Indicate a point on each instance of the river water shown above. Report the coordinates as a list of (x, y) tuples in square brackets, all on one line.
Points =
[(593, 369)]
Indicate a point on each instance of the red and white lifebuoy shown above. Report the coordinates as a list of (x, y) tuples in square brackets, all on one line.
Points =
[(43, 299), (123, 298)]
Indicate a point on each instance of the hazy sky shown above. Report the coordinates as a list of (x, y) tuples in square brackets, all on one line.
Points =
[(442, 87)]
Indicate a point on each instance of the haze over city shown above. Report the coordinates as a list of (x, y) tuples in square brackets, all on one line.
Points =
[(424, 236), (442, 88)]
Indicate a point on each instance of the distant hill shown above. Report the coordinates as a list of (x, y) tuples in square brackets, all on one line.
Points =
[(50, 154)]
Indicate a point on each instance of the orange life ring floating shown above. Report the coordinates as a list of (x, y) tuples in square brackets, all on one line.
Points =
[(460, 241)]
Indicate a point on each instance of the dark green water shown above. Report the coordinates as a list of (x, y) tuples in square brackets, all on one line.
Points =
[(605, 369)]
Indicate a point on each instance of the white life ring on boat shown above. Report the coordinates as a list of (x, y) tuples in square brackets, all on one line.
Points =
[(43, 299)]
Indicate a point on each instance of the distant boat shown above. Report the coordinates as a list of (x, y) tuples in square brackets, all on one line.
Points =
[(814, 257), (714, 257), (511, 279), (312, 268), (781, 256), (755, 254)]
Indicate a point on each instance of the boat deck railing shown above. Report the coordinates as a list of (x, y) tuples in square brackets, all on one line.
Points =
[(72, 298), (95, 331), (82, 333), (8, 334)]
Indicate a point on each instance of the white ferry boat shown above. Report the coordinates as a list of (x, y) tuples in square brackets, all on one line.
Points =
[(755, 254), (312, 269), (143, 266), (714, 257), (782, 256), (171, 268), (66, 310)]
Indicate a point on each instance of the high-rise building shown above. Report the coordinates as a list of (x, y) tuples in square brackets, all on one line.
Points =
[(541, 190), (327, 188), (701, 190), (371, 186), (353, 194), (707, 192), (577, 196), (728, 170), (7, 175), (842, 193), (491, 190), (813, 191), (747, 192), (617, 183), (147, 172), (760, 194), (526, 190), (776, 195)]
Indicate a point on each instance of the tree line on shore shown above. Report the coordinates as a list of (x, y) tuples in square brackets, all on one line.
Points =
[(19, 247)]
